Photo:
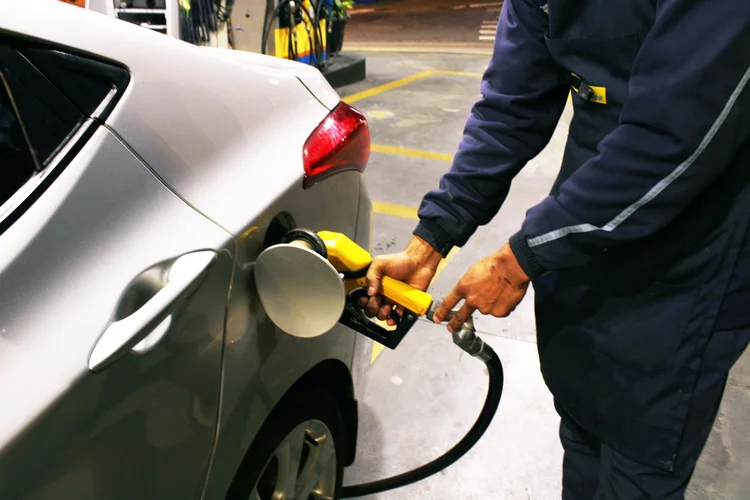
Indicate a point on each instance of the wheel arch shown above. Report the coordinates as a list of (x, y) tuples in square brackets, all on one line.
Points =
[(334, 376)]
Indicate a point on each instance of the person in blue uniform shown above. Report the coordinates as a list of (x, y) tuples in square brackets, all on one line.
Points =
[(640, 255)]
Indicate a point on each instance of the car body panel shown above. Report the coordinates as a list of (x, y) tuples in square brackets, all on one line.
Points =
[(361, 359), (67, 266), (310, 76), (261, 362), (230, 143)]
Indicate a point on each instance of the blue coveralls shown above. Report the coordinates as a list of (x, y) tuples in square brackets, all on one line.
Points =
[(640, 255)]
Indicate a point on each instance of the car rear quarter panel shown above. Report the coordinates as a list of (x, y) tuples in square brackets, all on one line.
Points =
[(225, 136), (261, 362), (230, 143), (228, 138)]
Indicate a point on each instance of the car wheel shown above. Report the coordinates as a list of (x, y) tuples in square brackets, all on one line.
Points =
[(298, 454)]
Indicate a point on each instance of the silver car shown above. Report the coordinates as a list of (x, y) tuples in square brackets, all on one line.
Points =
[(141, 177)]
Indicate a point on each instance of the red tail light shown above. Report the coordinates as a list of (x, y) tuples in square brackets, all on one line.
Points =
[(341, 142)]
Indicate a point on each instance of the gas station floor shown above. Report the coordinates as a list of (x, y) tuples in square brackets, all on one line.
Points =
[(421, 398)]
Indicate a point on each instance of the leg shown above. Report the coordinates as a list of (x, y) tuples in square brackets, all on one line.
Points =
[(580, 461), (624, 479)]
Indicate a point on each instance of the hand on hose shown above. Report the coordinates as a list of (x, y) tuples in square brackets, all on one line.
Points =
[(416, 266), (495, 285)]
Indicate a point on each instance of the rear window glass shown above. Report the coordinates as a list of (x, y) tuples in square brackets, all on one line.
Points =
[(18, 164)]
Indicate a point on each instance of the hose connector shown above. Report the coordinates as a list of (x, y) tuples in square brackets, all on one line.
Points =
[(466, 338)]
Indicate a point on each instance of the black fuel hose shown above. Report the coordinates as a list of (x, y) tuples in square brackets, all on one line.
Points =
[(494, 391)]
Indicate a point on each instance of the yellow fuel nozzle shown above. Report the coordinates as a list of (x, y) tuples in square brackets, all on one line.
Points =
[(403, 294), (352, 260), (343, 253)]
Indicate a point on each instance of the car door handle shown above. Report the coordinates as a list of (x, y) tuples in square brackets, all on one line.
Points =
[(185, 275)]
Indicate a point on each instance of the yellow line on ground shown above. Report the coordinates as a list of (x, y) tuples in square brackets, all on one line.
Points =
[(394, 210), (444, 263), (398, 83), (418, 50), (459, 73), (387, 86), (377, 349), (430, 155)]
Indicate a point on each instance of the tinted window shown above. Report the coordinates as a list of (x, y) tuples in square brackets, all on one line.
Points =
[(17, 162), (47, 116), (84, 81), (46, 96)]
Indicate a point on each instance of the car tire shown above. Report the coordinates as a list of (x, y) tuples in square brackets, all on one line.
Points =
[(307, 424)]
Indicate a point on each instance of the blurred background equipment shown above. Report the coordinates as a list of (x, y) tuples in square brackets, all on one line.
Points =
[(200, 22), (307, 31), (298, 31)]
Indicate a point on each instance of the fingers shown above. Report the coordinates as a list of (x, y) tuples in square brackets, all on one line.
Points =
[(373, 306), (376, 307), (460, 318), (448, 303), (384, 312)]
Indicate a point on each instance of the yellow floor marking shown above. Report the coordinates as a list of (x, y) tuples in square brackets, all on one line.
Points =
[(430, 155), (426, 50), (398, 83), (444, 263), (394, 210), (377, 348), (379, 114), (459, 73), (387, 86)]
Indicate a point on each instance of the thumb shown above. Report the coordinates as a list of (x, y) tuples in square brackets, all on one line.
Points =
[(375, 275)]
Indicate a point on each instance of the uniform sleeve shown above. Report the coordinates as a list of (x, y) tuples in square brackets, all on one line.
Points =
[(523, 95), (687, 113)]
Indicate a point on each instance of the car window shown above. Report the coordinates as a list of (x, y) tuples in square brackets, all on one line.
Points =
[(18, 163), (86, 82), (47, 96), (47, 115)]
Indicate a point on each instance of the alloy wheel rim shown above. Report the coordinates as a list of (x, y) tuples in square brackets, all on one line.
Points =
[(303, 466)]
